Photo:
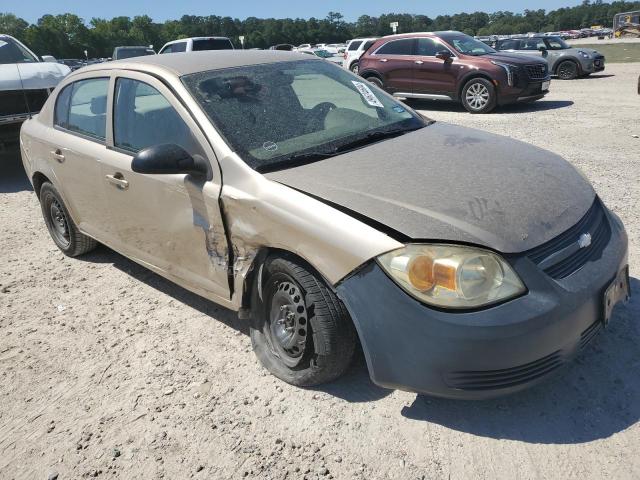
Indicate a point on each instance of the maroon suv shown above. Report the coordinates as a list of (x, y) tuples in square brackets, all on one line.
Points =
[(454, 66)]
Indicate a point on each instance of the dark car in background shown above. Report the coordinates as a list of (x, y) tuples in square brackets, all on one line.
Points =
[(120, 53), (453, 66)]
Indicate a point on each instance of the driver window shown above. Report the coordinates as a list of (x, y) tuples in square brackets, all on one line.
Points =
[(427, 47), (143, 117)]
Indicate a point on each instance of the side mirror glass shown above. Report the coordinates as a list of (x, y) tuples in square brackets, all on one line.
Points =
[(167, 159), (49, 59), (444, 55)]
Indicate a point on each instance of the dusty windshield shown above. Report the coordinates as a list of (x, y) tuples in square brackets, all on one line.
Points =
[(12, 52), (286, 113)]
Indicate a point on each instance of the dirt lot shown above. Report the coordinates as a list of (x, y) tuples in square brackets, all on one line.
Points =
[(108, 370)]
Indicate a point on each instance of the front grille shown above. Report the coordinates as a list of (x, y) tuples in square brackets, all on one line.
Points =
[(505, 378), (589, 334), (18, 102), (537, 71), (562, 256)]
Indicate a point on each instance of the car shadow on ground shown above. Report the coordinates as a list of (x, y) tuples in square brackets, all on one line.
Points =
[(594, 397), (445, 106), (594, 76), (13, 178), (354, 386)]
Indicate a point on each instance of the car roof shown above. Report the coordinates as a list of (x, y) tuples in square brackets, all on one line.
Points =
[(185, 63)]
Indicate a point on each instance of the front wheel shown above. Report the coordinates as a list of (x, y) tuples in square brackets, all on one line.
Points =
[(567, 70), (376, 81), (479, 96), (301, 332)]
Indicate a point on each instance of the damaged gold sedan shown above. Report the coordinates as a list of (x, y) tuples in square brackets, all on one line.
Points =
[(326, 212)]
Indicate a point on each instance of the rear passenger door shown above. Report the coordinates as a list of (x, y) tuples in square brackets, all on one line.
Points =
[(170, 223), (395, 61), (76, 146)]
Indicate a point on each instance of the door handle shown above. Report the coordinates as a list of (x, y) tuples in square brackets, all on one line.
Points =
[(118, 180), (418, 62), (57, 155), (384, 60)]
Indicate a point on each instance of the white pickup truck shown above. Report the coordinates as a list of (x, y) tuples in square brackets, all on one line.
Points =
[(25, 84)]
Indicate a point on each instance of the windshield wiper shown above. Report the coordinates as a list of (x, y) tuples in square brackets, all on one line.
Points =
[(295, 160), (373, 137)]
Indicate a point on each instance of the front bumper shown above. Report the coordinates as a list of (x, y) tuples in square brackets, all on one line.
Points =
[(485, 353), (532, 90), (593, 65)]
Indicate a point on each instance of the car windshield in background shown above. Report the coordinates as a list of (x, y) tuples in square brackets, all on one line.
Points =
[(12, 52), (284, 114), (468, 45), (556, 43), (212, 44)]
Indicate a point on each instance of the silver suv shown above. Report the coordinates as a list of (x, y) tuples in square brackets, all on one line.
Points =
[(564, 61), (355, 49)]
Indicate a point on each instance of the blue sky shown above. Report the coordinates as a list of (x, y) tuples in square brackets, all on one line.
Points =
[(161, 10)]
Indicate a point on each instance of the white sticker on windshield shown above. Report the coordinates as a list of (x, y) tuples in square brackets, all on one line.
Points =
[(367, 94)]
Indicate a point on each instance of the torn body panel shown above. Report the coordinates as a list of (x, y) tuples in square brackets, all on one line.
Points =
[(263, 214)]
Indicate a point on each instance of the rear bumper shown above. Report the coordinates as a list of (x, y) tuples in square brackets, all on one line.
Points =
[(486, 353)]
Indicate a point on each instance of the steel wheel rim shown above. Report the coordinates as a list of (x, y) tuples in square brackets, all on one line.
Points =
[(566, 70), (477, 96), (288, 322), (58, 222)]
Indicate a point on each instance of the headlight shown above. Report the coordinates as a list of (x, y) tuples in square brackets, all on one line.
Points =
[(452, 276), (584, 54), (511, 71)]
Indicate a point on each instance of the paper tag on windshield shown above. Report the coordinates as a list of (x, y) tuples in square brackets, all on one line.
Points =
[(367, 94)]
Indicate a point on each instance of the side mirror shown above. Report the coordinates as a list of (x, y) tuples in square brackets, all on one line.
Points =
[(444, 55), (49, 59), (542, 49), (167, 159)]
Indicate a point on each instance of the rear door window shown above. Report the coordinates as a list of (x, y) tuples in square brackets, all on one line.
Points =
[(354, 45), (82, 107), (176, 47), (397, 47)]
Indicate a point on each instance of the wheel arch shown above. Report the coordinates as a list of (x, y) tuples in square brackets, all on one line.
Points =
[(37, 180)]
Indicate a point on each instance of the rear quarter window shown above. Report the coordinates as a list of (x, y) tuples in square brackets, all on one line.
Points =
[(354, 46)]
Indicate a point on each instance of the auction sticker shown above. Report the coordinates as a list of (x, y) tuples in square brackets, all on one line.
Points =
[(367, 94)]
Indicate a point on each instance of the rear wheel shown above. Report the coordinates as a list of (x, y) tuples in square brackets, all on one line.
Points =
[(479, 96), (63, 231), (301, 332), (567, 70), (355, 68)]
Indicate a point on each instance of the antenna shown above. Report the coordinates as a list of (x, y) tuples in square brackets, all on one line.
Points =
[(24, 92)]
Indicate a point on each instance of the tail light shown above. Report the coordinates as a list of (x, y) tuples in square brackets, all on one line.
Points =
[(344, 55)]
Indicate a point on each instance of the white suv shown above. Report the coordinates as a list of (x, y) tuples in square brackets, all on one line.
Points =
[(196, 44), (354, 51)]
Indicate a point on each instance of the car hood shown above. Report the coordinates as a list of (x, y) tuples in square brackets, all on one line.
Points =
[(31, 76), (514, 58), (449, 183), (576, 51)]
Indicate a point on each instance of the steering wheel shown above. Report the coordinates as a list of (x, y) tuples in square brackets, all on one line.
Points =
[(318, 114)]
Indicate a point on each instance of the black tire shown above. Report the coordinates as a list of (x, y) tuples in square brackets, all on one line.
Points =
[(567, 70), (63, 231), (479, 96), (321, 329), (376, 81), (355, 67)]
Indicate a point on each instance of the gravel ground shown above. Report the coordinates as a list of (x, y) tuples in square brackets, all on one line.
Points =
[(107, 370)]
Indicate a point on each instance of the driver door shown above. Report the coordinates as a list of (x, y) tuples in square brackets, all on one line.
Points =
[(170, 223)]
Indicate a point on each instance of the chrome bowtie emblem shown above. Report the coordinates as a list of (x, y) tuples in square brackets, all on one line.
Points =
[(585, 240)]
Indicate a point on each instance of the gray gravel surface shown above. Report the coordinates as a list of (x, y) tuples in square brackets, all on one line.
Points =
[(109, 371)]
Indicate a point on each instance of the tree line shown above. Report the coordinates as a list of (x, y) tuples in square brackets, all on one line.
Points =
[(68, 36)]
